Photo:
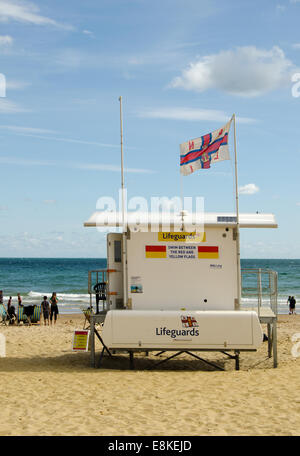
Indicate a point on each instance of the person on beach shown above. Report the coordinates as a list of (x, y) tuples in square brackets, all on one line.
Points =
[(45, 308), (292, 305), (288, 303), (54, 307), (1, 297), (11, 311), (19, 300)]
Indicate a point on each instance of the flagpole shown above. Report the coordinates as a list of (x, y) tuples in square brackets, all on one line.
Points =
[(238, 254), (181, 201), (124, 256)]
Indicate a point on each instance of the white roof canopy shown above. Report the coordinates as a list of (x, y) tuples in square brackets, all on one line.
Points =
[(159, 220)]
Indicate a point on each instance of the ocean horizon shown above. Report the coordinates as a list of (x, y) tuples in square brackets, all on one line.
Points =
[(68, 277)]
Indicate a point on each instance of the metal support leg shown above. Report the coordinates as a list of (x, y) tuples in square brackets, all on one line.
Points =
[(165, 360), (101, 340), (131, 360), (269, 341), (92, 336), (274, 343), (237, 360), (205, 361), (101, 356), (160, 353)]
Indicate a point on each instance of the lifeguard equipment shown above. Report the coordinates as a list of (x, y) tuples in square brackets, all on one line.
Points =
[(180, 330)]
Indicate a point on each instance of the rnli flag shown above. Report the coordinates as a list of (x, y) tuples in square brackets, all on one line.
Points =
[(202, 152)]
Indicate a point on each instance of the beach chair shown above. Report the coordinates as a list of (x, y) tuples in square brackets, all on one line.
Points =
[(21, 316), (3, 315), (36, 317), (87, 317)]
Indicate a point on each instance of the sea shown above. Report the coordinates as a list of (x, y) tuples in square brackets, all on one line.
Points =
[(34, 278)]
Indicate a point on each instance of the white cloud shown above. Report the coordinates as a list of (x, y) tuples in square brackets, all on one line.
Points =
[(17, 129), (87, 32), (245, 71), (17, 161), (70, 140), (5, 40), (50, 201), (296, 45), (248, 189), (9, 107), (23, 162), (16, 85), (191, 114), (280, 8), (39, 244), (99, 167), (72, 58), (23, 11), (38, 133)]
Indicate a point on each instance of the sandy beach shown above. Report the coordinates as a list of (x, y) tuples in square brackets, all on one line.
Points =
[(49, 390)]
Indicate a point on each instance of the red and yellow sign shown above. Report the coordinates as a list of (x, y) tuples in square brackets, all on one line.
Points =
[(81, 340), (156, 251), (208, 251), (182, 252)]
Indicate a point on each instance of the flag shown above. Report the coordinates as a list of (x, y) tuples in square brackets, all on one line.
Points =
[(208, 252), (156, 251), (202, 152)]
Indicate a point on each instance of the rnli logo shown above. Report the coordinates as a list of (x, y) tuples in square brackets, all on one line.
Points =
[(191, 145), (189, 322)]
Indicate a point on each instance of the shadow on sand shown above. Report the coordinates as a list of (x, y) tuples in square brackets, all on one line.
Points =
[(80, 362)]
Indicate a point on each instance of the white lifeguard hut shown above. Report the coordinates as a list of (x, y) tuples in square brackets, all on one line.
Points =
[(173, 284), (173, 281)]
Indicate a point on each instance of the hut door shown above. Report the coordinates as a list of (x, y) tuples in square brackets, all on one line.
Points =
[(115, 270)]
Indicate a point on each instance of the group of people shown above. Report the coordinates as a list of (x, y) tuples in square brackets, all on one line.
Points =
[(50, 310), (292, 305), (11, 310)]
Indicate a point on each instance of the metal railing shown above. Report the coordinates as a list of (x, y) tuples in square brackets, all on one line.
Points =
[(260, 285), (97, 276)]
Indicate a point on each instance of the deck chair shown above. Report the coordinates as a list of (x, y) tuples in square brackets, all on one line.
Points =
[(21, 316), (87, 316), (36, 317), (11, 316), (3, 315)]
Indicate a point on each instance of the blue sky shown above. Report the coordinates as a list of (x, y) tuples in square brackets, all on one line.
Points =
[(182, 67)]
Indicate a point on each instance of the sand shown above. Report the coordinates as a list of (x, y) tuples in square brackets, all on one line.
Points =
[(46, 389)]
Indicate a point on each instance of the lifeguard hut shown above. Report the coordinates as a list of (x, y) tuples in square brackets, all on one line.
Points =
[(173, 281), (172, 284)]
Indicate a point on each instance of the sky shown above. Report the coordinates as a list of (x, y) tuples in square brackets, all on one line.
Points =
[(182, 67)]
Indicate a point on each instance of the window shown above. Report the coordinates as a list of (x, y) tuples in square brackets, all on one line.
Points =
[(117, 251), (226, 219)]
